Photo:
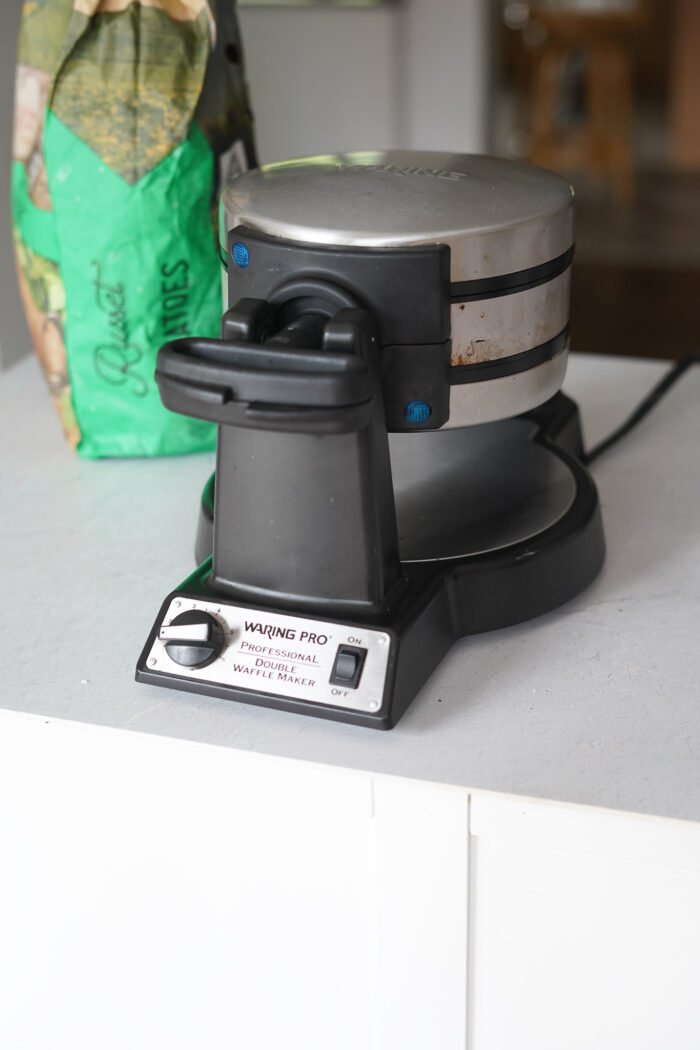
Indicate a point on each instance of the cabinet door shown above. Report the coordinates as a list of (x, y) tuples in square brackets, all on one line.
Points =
[(585, 929), (159, 893)]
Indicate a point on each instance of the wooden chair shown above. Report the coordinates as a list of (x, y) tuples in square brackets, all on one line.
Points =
[(603, 144)]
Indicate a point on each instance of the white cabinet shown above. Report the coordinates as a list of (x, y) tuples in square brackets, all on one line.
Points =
[(157, 892), (585, 929)]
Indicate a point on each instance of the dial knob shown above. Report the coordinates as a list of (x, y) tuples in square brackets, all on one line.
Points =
[(193, 638)]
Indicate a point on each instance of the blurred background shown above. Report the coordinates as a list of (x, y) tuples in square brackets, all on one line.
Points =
[(605, 91)]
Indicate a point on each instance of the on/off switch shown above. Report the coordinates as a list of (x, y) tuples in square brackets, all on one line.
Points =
[(347, 666)]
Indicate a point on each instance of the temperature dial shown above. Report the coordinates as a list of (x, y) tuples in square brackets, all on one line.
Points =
[(193, 639)]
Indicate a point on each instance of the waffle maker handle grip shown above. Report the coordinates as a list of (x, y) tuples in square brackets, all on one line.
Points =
[(278, 384)]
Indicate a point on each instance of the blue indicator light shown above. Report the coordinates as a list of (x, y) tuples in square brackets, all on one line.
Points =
[(240, 254), (417, 412)]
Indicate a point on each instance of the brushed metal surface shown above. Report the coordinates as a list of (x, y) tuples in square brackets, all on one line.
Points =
[(475, 490), (498, 216), (491, 329), (492, 399)]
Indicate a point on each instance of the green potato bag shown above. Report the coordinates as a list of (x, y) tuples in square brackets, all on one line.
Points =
[(128, 116)]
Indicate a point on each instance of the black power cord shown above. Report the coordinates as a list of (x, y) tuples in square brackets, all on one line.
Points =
[(653, 397)]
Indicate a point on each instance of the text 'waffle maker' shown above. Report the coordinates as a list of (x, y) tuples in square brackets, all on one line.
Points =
[(396, 466)]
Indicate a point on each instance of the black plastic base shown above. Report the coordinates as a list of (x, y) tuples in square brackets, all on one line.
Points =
[(445, 600)]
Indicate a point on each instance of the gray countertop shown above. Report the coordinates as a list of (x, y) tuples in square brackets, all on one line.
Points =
[(595, 703)]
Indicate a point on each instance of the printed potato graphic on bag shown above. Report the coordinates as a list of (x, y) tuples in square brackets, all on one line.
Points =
[(126, 116)]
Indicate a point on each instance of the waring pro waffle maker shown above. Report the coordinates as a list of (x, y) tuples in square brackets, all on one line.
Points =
[(396, 466)]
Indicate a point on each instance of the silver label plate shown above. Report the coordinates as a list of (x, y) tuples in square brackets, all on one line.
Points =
[(282, 655)]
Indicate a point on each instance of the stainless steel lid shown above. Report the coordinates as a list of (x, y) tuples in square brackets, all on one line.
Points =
[(497, 216)]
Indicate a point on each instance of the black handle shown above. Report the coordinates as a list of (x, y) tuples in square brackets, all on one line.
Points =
[(274, 385)]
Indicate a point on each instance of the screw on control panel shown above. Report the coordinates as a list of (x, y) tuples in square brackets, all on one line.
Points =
[(374, 705), (177, 604), (381, 640), (152, 662)]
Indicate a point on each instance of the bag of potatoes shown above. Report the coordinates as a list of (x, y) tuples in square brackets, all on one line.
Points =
[(128, 115)]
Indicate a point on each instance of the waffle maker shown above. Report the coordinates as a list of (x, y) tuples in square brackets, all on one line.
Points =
[(396, 465)]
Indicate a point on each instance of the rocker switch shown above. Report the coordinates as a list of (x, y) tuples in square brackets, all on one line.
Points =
[(347, 667)]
